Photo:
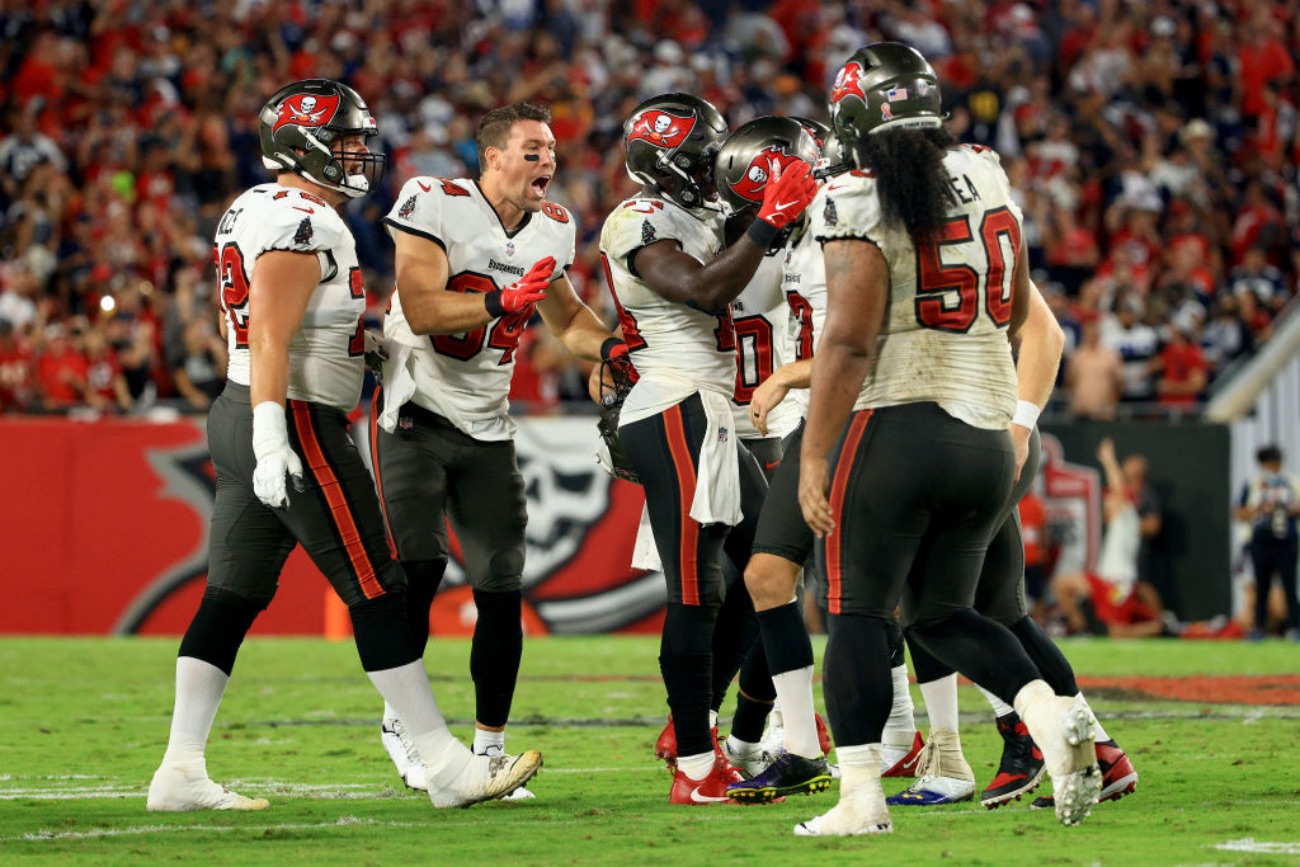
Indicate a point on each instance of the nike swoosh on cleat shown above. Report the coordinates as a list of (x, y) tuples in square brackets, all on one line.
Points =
[(704, 799), (909, 765)]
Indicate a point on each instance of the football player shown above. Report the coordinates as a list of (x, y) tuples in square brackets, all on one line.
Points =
[(673, 283), (476, 260), (287, 471), (783, 542), (906, 461), (945, 776)]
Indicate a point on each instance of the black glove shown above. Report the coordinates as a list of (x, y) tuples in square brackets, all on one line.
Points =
[(611, 405)]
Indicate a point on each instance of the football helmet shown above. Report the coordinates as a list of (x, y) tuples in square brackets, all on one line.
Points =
[(815, 128), (884, 85), (671, 141), (300, 123), (750, 155)]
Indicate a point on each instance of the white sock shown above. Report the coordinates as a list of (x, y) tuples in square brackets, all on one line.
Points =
[(1000, 707), (485, 739), (900, 728), (940, 698), (1098, 732), (742, 749), (406, 691), (698, 766), (859, 769), (199, 688), (795, 691)]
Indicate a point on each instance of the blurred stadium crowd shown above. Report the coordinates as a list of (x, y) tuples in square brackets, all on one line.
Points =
[(1154, 145)]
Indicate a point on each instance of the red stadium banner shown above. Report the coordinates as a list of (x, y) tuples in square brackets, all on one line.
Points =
[(106, 528)]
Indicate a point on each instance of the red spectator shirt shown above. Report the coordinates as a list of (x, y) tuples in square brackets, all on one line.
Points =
[(53, 371), (1033, 527), (15, 376), (1180, 362)]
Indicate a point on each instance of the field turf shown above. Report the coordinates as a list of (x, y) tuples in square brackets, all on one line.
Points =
[(1211, 727)]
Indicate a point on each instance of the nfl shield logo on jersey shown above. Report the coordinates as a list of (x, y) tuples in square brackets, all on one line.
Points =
[(510, 248)]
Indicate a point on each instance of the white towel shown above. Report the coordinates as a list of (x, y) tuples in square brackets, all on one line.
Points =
[(717, 489), (399, 384), (645, 553)]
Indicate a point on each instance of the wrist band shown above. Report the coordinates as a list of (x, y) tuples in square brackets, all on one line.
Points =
[(1026, 414), (492, 302), (762, 233)]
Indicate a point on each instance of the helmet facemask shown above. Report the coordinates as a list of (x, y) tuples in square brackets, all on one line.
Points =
[(671, 141), (300, 125)]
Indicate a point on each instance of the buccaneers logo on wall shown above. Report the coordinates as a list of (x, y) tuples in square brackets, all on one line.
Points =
[(768, 163), (661, 128), (307, 110)]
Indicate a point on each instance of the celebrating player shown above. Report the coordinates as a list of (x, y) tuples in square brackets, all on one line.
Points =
[(475, 260), (287, 471), (925, 274)]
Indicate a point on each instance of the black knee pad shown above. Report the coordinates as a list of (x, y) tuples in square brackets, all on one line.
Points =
[(219, 627), (382, 633)]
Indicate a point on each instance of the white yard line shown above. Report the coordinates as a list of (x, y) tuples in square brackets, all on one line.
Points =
[(118, 788), (1250, 844)]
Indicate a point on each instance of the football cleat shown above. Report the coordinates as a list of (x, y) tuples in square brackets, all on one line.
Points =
[(710, 790), (1022, 766), (666, 744), (1063, 729), (773, 742), (944, 775), (748, 763), (486, 778), (519, 794), (401, 749), (184, 786), (910, 763), (1118, 778), (788, 775), (862, 813), (823, 735)]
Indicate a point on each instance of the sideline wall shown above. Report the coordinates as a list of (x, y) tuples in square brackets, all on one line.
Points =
[(105, 529)]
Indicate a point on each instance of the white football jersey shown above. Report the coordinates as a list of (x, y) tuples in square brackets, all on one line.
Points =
[(465, 378), (805, 293), (325, 355), (677, 349), (761, 318), (944, 337)]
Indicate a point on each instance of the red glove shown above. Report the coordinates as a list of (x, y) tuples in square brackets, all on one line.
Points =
[(614, 352), (524, 292), (787, 194)]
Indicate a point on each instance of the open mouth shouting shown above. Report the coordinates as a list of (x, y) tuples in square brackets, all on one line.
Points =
[(540, 185)]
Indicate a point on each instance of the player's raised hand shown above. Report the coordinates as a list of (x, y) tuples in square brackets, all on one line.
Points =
[(527, 290), (787, 194)]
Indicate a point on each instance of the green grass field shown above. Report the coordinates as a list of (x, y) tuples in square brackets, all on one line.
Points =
[(84, 722)]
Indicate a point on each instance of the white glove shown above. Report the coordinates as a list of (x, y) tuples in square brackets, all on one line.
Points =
[(275, 458)]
